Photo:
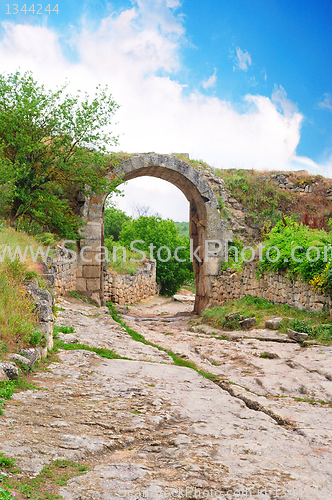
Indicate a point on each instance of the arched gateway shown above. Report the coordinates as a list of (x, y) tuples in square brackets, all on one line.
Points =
[(205, 225)]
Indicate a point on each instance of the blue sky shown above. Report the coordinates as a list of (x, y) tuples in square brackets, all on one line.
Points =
[(236, 83)]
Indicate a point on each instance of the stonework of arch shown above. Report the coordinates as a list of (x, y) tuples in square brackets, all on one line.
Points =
[(205, 223)]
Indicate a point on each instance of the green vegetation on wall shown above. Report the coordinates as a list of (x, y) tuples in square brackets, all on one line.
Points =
[(258, 194), (303, 252)]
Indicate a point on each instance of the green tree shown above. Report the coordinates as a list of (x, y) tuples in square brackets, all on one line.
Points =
[(53, 151), (161, 233), (113, 221)]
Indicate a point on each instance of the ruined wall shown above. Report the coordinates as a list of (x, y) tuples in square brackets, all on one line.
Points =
[(61, 271), (271, 286), (126, 289)]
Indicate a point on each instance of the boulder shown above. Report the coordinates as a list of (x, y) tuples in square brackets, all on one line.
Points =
[(297, 336), (273, 323), (10, 369), (247, 323)]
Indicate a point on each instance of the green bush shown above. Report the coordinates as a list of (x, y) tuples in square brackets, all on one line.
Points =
[(287, 236), (114, 218), (36, 338), (301, 326)]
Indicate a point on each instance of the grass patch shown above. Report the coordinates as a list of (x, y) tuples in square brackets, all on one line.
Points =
[(322, 332), (43, 487), (7, 389), (17, 317), (63, 329), (197, 164), (115, 259), (319, 325), (101, 351)]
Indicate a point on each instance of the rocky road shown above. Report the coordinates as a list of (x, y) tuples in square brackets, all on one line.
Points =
[(149, 428)]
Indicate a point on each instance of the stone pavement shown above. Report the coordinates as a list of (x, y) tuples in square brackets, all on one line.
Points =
[(150, 428)]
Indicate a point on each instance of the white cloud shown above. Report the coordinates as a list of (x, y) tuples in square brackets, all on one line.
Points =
[(243, 59), (137, 54), (210, 82), (327, 102)]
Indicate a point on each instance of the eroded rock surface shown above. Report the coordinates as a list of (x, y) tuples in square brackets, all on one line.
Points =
[(150, 428)]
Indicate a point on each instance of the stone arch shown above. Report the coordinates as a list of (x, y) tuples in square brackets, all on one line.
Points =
[(205, 224)]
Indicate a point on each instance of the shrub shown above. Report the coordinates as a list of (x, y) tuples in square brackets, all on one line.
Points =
[(301, 326), (294, 240)]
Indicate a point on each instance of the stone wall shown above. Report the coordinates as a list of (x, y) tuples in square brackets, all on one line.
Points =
[(61, 271), (126, 289), (271, 286)]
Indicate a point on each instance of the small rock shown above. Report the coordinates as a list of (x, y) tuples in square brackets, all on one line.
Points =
[(298, 337), (20, 359), (10, 370), (273, 323), (247, 323)]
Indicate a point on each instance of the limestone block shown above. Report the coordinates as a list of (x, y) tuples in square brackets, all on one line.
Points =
[(247, 323), (92, 284), (91, 271), (298, 337), (81, 284), (273, 323)]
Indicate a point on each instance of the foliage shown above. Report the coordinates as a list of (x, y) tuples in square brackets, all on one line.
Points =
[(300, 325), (183, 229), (234, 259), (36, 338), (113, 222), (161, 233), (52, 151), (286, 236)]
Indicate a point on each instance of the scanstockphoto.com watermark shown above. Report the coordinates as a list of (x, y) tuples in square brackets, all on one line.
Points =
[(240, 492), (211, 249)]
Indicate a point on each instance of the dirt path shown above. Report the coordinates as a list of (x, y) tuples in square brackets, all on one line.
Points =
[(150, 428)]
